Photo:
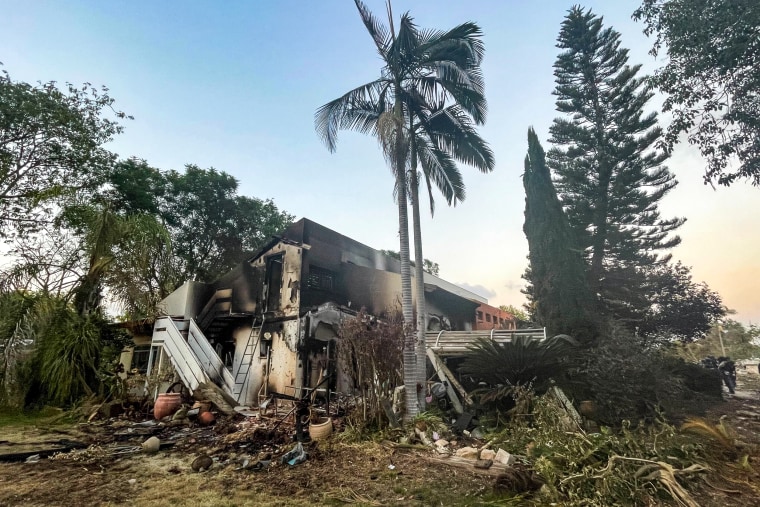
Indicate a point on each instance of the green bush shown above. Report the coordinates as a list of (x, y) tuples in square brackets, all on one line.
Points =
[(628, 381)]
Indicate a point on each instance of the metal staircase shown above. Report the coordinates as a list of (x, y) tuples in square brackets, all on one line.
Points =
[(195, 360)]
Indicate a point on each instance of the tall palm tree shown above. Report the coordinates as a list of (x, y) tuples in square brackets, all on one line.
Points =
[(408, 109), (449, 131)]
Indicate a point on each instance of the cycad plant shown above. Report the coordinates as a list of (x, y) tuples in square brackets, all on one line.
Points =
[(522, 361)]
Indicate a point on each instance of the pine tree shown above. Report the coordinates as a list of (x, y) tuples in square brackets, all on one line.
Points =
[(558, 290), (609, 173)]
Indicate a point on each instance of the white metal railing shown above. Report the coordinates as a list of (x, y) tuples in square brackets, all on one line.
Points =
[(458, 342)]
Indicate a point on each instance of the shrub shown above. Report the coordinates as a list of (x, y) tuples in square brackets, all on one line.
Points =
[(370, 356), (628, 381), (524, 361)]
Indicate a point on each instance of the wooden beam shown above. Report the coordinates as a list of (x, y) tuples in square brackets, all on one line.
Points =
[(448, 379), (438, 364)]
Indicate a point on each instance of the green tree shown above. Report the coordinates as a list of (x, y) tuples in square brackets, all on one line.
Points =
[(711, 79), (609, 175), (729, 338), (421, 110), (557, 284), (679, 308), (517, 313), (51, 144), (212, 227)]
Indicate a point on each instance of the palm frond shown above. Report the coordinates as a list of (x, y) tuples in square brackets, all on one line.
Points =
[(452, 130), (521, 361), (379, 33), (439, 168), (358, 110), (462, 44)]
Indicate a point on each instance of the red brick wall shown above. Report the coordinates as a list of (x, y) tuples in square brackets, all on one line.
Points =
[(489, 317)]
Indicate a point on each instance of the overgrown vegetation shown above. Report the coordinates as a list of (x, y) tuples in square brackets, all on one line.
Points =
[(638, 464), (524, 361), (56, 356), (627, 380), (370, 353)]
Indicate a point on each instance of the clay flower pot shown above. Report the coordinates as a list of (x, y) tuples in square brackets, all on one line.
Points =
[(206, 418), (322, 429), (166, 404)]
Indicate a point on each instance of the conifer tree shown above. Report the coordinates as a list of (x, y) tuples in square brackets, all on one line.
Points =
[(557, 287), (609, 173)]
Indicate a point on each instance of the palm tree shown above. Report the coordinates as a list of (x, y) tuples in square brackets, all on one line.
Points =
[(451, 132), (429, 83)]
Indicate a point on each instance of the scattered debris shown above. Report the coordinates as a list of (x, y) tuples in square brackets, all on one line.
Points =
[(152, 445), (202, 463), (504, 457), (295, 456)]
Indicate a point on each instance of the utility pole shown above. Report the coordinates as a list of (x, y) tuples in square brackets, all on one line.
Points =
[(720, 337)]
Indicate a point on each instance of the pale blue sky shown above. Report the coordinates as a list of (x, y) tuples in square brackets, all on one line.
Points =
[(234, 85)]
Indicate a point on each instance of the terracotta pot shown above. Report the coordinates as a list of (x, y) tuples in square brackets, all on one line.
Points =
[(166, 404), (206, 418), (323, 428)]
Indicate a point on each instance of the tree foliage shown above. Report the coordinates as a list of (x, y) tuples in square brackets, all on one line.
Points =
[(679, 307), (518, 313), (738, 342), (422, 109), (609, 175), (51, 143), (711, 79), (557, 284), (211, 227)]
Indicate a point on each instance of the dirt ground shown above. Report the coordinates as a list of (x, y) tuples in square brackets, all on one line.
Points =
[(336, 473)]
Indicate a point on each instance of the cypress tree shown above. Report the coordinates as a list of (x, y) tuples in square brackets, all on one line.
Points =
[(557, 287), (610, 174)]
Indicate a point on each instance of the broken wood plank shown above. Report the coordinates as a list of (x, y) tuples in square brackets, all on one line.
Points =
[(452, 383), (468, 464), (216, 395)]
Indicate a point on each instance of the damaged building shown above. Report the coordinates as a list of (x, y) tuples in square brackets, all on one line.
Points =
[(270, 326)]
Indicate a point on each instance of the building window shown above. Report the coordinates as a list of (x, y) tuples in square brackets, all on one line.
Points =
[(488, 317), (140, 356), (320, 278), (480, 315)]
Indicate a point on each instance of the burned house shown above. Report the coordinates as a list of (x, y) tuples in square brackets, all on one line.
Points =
[(270, 325)]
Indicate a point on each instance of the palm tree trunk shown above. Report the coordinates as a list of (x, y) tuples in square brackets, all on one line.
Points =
[(407, 308), (419, 277)]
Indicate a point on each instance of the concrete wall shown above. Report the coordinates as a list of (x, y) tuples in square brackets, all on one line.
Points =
[(187, 300)]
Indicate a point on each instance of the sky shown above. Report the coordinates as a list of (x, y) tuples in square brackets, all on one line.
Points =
[(234, 85)]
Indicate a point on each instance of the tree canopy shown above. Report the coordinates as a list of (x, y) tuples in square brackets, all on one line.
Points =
[(51, 144), (558, 288), (711, 79), (608, 172), (211, 227), (679, 308)]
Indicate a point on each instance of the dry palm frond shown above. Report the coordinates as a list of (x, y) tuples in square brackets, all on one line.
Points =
[(717, 433)]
